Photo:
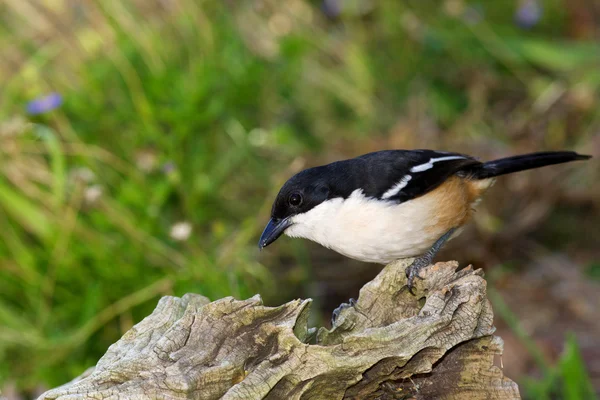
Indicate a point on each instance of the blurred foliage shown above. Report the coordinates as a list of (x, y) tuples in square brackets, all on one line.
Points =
[(567, 380), (184, 114)]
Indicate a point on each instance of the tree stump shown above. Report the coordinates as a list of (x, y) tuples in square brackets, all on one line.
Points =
[(391, 344)]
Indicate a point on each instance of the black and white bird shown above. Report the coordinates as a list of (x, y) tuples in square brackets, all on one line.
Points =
[(391, 204)]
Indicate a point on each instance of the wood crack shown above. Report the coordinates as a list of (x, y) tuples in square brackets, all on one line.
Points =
[(389, 346)]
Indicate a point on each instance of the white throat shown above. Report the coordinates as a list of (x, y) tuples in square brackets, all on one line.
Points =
[(368, 229)]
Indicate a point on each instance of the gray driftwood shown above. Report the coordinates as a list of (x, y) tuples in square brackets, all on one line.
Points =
[(437, 344)]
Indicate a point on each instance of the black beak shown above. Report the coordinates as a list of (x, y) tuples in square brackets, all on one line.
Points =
[(272, 231)]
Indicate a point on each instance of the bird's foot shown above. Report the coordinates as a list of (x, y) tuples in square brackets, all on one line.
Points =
[(335, 314), (413, 270)]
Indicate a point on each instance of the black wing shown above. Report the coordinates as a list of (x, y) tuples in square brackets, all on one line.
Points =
[(401, 175)]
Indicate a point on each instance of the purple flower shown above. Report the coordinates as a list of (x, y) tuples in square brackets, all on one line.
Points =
[(44, 104), (168, 167), (331, 8), (528, 14)]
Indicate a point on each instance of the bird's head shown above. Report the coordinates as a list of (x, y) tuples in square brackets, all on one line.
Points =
[(300, 194)]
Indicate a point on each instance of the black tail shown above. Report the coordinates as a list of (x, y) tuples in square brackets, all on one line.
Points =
[(509, 165)]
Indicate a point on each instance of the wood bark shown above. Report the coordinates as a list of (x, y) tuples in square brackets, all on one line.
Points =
[(435, 344)]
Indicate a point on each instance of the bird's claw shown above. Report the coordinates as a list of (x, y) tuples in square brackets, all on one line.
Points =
[(335, 314), (413, 270)]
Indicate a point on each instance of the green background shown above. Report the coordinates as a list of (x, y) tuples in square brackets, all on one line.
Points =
[(196, 112)]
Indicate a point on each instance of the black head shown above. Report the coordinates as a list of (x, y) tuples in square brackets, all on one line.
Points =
[(299, 194)]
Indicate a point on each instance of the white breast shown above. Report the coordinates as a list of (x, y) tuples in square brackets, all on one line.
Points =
[(370, 230)]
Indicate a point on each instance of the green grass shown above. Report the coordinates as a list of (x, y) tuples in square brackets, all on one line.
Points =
[(197, 112), (568, 379)]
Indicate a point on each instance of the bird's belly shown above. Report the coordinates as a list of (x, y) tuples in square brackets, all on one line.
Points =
[(372, 230), (385, 236)]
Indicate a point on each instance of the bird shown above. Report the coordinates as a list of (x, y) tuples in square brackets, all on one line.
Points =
[(391, 204)]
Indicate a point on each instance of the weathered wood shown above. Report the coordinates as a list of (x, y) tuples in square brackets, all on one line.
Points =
[(437, 344)]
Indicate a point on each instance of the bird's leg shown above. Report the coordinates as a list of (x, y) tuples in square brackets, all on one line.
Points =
[(412, 271), (337, 311)]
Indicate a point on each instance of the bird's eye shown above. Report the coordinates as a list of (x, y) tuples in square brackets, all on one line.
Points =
[(295, 199)]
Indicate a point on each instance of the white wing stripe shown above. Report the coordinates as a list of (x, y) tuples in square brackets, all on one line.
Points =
[(429, 164), (394, 190)]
